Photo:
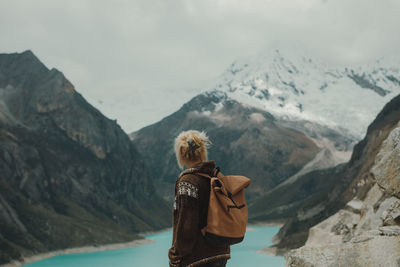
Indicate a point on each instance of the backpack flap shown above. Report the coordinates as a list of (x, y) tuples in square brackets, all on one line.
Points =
[(235, 183), (227, 211)]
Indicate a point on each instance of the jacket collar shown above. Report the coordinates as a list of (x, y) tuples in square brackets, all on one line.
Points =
[(206, 167)]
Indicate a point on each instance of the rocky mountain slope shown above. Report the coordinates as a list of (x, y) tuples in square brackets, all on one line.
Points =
[(367, 231), (352, 181), (246, 141), (284, 201), (68, 175)]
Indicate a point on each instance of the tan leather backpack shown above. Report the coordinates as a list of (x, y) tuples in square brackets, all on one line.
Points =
[(227, 209)]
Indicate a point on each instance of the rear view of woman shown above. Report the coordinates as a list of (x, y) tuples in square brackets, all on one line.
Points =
[(192, 192)]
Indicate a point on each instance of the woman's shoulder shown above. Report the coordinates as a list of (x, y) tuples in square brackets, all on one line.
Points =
[(191, 178)]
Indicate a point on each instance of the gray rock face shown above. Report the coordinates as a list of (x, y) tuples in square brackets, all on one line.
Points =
[(364, 83), (387, 168), (68, 175), (391, 216), (368, 233), (378, 251), (351, 181), (393, 230)]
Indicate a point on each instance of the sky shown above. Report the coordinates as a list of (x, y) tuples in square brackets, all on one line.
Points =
[(140, 60)]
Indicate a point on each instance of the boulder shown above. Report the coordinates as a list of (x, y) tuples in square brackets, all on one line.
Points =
[(377, 251), (387, 167)]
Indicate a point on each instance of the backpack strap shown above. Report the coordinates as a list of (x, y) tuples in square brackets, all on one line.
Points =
[(216, 171), (203, 175)]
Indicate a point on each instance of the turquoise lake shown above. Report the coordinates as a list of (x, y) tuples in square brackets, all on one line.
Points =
[(155, 254)]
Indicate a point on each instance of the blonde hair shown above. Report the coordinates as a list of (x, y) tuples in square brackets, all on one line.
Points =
[(191, 147)]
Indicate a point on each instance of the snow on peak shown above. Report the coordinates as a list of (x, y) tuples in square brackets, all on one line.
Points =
[(301, 87)]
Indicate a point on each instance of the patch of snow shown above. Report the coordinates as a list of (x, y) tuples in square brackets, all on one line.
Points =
[(206, 112), (257, 117), (218, 106), (298, 87), (355, 204)]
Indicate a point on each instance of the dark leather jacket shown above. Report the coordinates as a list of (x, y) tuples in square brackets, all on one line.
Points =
[(192, 193)]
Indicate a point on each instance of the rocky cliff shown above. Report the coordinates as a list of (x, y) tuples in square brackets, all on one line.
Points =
[(367, 231), (68, 175), (350, 184)]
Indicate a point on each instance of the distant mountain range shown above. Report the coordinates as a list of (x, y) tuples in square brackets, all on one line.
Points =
[(69, 176), (275, 118), (288, 83), (245, 140), (298, 87)]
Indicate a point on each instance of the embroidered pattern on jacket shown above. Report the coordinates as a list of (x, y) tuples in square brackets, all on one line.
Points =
[(185, 188)]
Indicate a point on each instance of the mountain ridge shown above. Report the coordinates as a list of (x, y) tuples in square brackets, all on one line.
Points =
[(70, 177), (351, 180), (240, 133), (301, 87), (364, 228)]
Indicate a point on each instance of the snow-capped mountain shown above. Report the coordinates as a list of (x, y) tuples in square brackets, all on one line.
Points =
[(251, 111), (298, 87)]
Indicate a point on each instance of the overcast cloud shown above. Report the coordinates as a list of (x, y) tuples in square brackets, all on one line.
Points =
[(162, 52)]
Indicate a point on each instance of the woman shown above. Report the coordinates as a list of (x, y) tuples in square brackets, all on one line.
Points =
[(192, 192)]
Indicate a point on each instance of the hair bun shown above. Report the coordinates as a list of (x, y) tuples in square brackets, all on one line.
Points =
[(192, 145)]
